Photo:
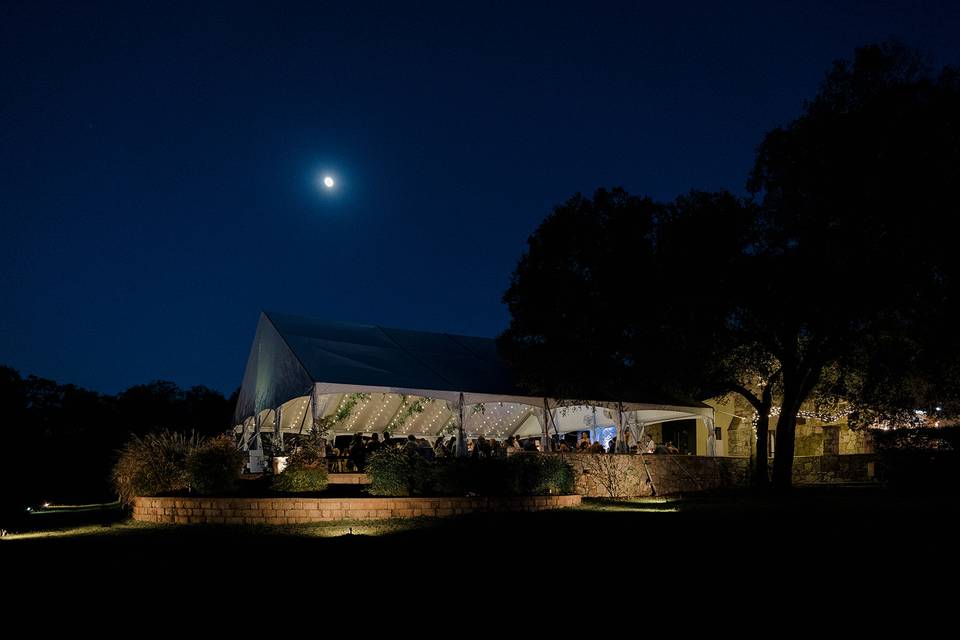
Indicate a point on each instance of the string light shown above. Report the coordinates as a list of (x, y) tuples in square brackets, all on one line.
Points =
[(825, 417)]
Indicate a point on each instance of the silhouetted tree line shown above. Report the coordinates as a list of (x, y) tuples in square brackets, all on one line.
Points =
[(62, 440)]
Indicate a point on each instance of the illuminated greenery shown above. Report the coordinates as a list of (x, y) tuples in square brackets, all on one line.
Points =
[(347, 405), (407, 410)]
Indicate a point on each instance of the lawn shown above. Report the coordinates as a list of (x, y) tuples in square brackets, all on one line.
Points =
[(849, 526), (822, 550)]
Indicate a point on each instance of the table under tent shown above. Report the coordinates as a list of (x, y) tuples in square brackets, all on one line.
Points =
[(371, 379)]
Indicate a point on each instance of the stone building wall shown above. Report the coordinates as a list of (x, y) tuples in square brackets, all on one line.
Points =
[(740, 439), (811, 439), (856, 442)]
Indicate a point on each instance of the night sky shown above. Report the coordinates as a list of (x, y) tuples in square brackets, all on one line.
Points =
[(158, 166)]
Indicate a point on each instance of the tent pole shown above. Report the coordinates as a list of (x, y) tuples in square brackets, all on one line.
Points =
[(314, 407), (620, 448), (256, 431), (461, 440), (711, 437), (278, 430), (545, 427)]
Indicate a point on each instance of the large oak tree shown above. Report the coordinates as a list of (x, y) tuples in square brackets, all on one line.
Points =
[(841, 264)]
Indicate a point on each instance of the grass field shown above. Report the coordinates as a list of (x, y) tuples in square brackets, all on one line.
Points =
[(860, 553), (849, 526)]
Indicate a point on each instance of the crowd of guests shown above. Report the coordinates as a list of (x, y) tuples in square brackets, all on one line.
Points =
[(648, 445), (353, 454)]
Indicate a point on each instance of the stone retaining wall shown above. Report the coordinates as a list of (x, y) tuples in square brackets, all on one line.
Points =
[(348, 478), (627, 475), (306, 510)]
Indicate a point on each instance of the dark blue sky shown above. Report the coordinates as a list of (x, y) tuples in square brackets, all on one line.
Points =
[(157, 164)]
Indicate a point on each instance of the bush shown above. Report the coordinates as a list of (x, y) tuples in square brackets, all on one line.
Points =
[(398, 472), (215, 466), (545, 475), (306, 470), (153, 464), (395, 472), (300, 479)]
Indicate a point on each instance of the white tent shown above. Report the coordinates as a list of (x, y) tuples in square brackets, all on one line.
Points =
[(376, 379)]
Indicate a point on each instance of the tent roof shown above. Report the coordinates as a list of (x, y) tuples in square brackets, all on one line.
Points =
[(293, 356), (371, 355)]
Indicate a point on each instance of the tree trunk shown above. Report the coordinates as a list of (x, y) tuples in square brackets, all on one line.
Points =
[(761, 474), (762, 405), (783, 456)]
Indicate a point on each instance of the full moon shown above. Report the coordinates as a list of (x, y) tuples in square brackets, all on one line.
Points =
[(328, 182)]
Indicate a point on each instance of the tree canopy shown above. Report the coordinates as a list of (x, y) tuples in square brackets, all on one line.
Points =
[(838, 269)]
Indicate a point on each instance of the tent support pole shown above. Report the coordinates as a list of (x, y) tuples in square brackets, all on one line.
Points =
[(461, 439), (278, 430), (545, 427), (256, 432), (621, 443)]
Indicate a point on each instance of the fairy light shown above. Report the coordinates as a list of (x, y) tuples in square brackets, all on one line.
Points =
[(438, 408), (303, 405), (387, 399), (825, 417), (357, 411)]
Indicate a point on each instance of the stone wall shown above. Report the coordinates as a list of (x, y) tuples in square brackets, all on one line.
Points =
[(833, 469), (348, 478), (808, 440), (306, 510), (740, 438), (625, 475), (811, 440), (856, 442)]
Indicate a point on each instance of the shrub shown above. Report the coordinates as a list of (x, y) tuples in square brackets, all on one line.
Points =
[(215, 466), (306, 469), (399, 472), (395, 472), (300, 479), (153, 464), (546, 475)]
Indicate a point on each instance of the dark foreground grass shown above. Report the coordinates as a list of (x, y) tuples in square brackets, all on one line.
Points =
[(855, 540)]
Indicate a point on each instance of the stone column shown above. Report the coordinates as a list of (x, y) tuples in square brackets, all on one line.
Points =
[(831, 440)]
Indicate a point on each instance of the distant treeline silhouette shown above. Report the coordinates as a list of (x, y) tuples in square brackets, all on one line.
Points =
[(62, 440)]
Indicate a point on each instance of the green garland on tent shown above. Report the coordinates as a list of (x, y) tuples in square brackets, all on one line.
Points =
[(346, 407), (407, 410)]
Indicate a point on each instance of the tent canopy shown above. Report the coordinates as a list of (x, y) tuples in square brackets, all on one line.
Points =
[(390, 377)]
